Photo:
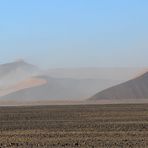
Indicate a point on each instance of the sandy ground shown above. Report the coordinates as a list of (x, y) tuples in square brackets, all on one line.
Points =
[(70, 102)]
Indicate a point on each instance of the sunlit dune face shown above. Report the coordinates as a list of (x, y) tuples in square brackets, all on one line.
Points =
[(23, 85), (140, 73), (30, 83)]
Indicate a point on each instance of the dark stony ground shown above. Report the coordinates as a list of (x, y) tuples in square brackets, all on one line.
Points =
[(80, 126)]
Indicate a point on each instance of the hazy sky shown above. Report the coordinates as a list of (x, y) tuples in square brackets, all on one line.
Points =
[(75, 33)]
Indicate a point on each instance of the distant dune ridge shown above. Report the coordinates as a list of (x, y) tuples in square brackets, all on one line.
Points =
[(24, 82), (12, 73), (60, 89), (136, 88), (108, 73)]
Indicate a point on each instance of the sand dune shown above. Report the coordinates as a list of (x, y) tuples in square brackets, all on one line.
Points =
[(59, 89), (134, 89), (28, 83), (14, 72), (23, 82)]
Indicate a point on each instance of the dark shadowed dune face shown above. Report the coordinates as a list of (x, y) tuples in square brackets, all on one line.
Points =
[(134, 89)]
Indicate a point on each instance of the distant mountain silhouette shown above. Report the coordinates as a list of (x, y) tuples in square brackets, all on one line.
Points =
[(12, 73), (133, 89), (20, 64)]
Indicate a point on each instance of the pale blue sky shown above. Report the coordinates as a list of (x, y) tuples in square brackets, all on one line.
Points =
[(75, 33)]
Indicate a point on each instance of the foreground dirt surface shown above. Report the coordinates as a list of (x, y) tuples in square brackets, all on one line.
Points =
[(79, 126)]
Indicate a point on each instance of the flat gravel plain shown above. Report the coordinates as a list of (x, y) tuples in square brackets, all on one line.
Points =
[(74, 126)]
